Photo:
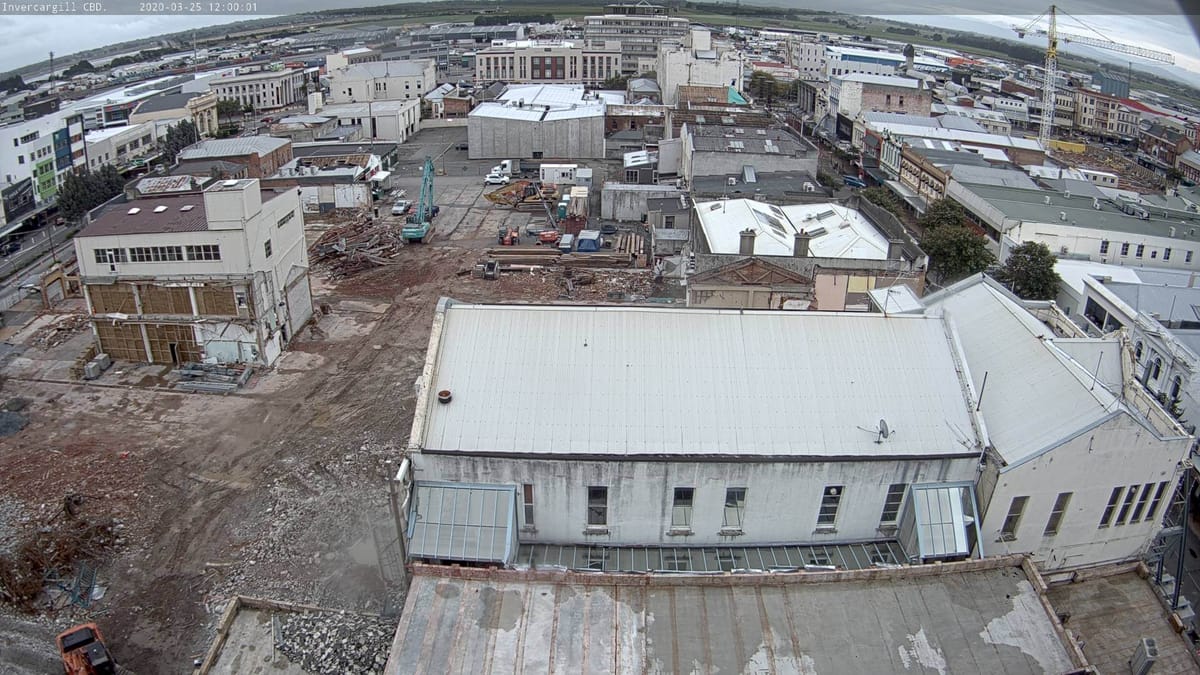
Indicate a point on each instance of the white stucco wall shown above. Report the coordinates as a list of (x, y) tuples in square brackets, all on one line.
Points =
[(1120, 452), (782, 498)]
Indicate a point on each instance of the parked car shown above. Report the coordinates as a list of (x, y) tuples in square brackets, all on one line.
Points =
[(460, 146), (854, 181), (495, 179), (401, 207), (9, 248)]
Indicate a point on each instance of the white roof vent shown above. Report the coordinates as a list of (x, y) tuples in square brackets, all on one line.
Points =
[(159, 209), (134, 211), (187, 207), (230, 183)]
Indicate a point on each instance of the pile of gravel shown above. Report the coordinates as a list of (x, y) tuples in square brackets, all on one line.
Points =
[(353, 644)]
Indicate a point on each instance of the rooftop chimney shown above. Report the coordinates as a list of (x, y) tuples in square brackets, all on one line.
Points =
[(800, 244), (895, 246), (746, 246)]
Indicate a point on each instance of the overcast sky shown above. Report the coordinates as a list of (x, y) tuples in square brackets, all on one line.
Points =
[(1159, 23)]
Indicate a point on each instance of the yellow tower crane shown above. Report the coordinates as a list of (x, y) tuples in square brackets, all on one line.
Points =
[(1053, 35)]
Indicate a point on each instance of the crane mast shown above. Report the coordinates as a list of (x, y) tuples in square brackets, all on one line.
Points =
[(1051, 75), (1052, 38)]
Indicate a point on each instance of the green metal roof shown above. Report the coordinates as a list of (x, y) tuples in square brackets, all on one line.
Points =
[(735, 97)]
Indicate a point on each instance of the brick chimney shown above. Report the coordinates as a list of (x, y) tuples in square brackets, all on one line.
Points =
[(746, 246), (800, 244)]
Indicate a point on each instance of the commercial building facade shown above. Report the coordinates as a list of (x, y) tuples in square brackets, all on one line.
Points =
[(265, 90), (548, 62), (382, 81), (220, 274), (639, 27)]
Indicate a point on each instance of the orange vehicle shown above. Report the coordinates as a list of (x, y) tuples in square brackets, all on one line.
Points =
[(549, 237), (84, 653)]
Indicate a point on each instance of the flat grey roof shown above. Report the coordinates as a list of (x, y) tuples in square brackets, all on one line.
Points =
[(1030, 206), (962, 620), (764, 385), (165, 102)]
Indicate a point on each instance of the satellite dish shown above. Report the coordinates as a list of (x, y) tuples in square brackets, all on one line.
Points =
[(884, 431)]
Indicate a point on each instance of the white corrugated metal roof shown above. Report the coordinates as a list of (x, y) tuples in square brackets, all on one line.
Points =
[(725, 383), (840, 232), (1036, 396)]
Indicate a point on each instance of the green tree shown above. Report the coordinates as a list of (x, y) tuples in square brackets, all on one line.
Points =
[(178, 137), (616, 82), (79, 69), (941, 213), (956, 252), (1029, 272), (82, 192), (761, 86), (14, 82), (884, 198), (228, 108)]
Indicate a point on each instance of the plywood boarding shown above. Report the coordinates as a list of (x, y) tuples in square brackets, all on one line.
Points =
[(216, 301), (112, 298), (122, 341), (163, 300), (163, 336)]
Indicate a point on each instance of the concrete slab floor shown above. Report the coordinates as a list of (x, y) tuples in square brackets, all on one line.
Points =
[(1110, 614), (250, 648)]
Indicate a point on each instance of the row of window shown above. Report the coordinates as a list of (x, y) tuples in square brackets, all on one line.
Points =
[(1133, 509), (138, 254), (684, 498), (1140, 251)]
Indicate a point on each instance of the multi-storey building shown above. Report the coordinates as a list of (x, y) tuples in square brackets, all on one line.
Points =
[(1104, 115), (382, 81), (698, 61), (351, 57), (265, 90), (639, 27), (220, 274), (548, 62), (862, 92)]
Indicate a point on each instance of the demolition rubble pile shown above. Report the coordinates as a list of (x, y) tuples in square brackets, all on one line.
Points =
[(355, 242), (337, 642)]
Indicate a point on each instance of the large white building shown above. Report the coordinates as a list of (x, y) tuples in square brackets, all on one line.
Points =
[(639, 27), (220, 274), (1081, 461), (383, 120), (698, 61), (1085, 224), (846, 60), (119, 145), (816, 431), (548, 62), (540, 121), (382, 81), (264, 90)]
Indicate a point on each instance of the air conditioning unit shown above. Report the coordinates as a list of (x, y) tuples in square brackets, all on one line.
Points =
[(1144, 657)]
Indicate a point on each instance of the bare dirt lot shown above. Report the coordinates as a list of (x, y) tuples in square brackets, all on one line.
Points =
[(269, 492)]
